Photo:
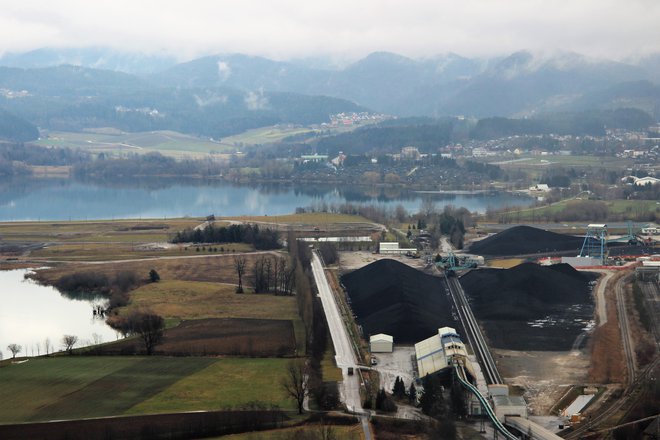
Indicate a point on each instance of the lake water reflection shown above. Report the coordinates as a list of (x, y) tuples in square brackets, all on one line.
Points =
[(30, 314), (159, 198)]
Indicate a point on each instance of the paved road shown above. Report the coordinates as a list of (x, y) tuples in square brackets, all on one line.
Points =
[(344, 354)]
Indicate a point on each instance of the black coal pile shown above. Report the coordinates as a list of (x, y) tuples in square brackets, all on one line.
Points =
[(390, 297), (531, 307), (522, 240), (625, 249)]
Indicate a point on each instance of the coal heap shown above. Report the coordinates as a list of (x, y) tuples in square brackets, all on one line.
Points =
[(530, 307), (390, 297), (521, 240)]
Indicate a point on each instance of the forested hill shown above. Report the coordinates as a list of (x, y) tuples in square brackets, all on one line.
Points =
[(222, 95), (70, 98), (427, 134), (581, 123), (390, 138), (16, 129)]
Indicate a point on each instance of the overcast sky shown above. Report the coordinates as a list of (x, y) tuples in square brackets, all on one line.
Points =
[(349, 29)]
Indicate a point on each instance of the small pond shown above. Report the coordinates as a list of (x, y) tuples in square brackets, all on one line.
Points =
[(30, 314)]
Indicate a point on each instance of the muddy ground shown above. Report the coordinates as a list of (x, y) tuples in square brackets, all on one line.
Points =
[(544, 375)]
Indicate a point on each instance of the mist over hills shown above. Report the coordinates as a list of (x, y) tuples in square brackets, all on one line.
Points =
[(222, 94), (521, 84), (92, 57)]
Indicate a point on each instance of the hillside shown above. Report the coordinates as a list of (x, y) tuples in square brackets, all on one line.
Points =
[(390, 297), (519, 84), (16, 129), (68, 98), (220, 95)]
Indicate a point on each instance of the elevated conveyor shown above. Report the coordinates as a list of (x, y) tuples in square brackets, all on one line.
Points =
[(525, 426), (462, 378)]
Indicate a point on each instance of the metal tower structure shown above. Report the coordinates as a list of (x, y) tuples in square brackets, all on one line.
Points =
[(595, 243)]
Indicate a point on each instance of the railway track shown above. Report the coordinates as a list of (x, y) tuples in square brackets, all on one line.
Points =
[(652, 296), (624, 403), (637, 380), (628, 349), (473, 331)]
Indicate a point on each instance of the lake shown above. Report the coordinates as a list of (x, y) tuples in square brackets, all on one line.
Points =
[(31, 313), (70, 200)]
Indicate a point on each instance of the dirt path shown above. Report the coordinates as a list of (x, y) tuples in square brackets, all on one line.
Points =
[(601, 286), (137, 260)]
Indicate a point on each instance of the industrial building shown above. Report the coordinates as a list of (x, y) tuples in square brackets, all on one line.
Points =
[(393, 248), (381, 343), (509, 406), (439, 351)]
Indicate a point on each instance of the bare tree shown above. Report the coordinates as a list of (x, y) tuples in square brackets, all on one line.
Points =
[(428, 208), (295, 382), (47, 346), (97, 338), (68, 341), (150, 328), (15, 349), (240, 264)]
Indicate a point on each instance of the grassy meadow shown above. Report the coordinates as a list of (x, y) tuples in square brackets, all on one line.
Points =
[(115, 142), (264, 135), (196, 300), (70, 387), (615, 208), (351, 432)]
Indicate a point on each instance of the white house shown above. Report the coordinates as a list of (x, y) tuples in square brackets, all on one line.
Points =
[(381, 343), (646, 181), (542, 187)]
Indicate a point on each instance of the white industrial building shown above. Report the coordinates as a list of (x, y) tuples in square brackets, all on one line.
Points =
[(438, 351), (504, 406), (381, 343), (393, 248)]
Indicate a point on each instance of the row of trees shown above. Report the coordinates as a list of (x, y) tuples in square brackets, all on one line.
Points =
[(260, 238), (92, 284), (68, 342), (271, 274)]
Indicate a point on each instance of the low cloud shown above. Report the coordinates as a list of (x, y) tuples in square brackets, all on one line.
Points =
[(256, 101), (296, 28), (224, 71), (203, 101)]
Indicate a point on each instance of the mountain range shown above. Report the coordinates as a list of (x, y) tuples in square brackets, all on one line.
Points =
[(519, 85)]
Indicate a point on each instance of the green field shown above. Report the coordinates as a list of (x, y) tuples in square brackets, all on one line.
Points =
[(176, 300), (525, 162), (264, 135), (353, 432), (225, 383), (115, 142), (77, 387), (619, 209)]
